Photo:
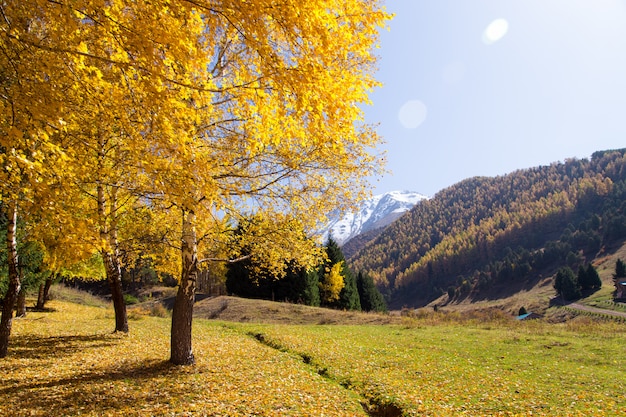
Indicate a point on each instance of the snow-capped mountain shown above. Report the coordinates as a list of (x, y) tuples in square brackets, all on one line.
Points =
[(377, 212)]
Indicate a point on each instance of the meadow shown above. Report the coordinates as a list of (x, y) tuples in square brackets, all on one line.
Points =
[(66, 361)]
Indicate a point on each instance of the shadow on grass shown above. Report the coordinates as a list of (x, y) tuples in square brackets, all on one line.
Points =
[(142, 370), (32, 347), (97, 392)]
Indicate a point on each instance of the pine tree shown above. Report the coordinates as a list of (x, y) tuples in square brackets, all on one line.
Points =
[(298, 285), (582, 277), (349, 296), (620, 269), (371, 299), (311, 292), (566, 284), (588, 278)]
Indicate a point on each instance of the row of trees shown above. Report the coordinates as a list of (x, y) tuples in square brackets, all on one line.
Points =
[(571, 286), (332, 284), (151, 129)]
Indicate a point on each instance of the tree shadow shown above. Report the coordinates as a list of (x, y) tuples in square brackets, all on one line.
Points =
[(96, 392), (138, 371), (36, 347)]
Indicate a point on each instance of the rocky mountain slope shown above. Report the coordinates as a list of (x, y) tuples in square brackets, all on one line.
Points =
[(375, 213)]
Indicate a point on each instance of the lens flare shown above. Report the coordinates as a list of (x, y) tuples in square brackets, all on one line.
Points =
[(412, 114), (495, 31)]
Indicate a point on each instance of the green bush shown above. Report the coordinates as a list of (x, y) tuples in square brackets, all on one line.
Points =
[(130, 299)]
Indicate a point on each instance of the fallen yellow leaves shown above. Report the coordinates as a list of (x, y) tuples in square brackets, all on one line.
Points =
[(67, 363)]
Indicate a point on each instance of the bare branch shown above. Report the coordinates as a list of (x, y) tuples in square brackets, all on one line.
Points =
[(226, 260)]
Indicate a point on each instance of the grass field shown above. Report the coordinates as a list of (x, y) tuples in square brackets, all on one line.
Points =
[(66, 362)]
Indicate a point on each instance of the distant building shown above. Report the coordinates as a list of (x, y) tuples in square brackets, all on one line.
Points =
[(528, 316)]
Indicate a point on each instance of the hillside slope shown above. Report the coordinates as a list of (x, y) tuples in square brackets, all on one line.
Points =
[(486, 233), (262, 311)]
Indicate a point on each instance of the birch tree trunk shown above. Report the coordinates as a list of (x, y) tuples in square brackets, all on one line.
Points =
[(14, 278), (46, 288), (182, 314), (20, 306), (42, 296), (110, 257), (114, 276)]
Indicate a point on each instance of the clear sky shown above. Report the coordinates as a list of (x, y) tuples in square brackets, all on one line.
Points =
[(485, 87)]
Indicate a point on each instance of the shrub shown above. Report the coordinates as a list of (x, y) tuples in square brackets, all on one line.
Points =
[(130, 299), (159, 310)]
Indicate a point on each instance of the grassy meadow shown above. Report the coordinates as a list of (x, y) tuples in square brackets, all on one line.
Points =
[(67, 362)]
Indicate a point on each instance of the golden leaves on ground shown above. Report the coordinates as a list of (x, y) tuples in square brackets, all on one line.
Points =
[(66, 363)]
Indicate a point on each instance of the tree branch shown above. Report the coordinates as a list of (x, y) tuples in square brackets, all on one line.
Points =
[(229, 261)]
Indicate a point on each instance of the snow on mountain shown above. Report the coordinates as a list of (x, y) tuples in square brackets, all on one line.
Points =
[(377, 212)]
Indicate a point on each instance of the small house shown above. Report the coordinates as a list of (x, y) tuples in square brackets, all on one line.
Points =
[(528, 316)]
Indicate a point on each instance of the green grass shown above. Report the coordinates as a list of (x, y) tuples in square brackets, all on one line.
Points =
[(67, 362), (472, 369)]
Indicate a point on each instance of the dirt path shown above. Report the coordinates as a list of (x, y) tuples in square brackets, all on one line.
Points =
[(582, 307)]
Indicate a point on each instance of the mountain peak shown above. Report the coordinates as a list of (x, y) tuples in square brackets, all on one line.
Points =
[(374, 213)]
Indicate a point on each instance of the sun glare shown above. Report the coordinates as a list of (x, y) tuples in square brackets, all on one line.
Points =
[(412, 114), (495, 31)]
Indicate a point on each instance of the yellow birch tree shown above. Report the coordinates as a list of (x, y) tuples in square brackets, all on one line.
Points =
[(278, 128), (332, 284), (29, 104), (219, 111)]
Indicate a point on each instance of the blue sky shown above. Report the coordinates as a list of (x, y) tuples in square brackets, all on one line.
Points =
[(485, 87)]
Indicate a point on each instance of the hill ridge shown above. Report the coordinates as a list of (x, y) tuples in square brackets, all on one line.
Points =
[(485, 230)]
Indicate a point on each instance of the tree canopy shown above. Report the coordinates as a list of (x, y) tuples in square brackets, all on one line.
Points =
[(199, 114)]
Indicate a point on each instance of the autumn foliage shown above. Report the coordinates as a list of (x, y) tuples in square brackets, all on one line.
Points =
[(155, 127), (485, 231)]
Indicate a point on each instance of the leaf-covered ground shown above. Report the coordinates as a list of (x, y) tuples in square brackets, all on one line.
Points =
[(66, 362)]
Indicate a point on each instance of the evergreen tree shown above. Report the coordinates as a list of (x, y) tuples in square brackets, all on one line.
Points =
[(349, 295), (588, 278), (371, 299), (581, 276), (620, 269), (566, 284), (311, 291), (298, 284), (240, 282)]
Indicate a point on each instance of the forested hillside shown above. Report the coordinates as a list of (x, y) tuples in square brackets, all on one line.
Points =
[(485, 231)]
